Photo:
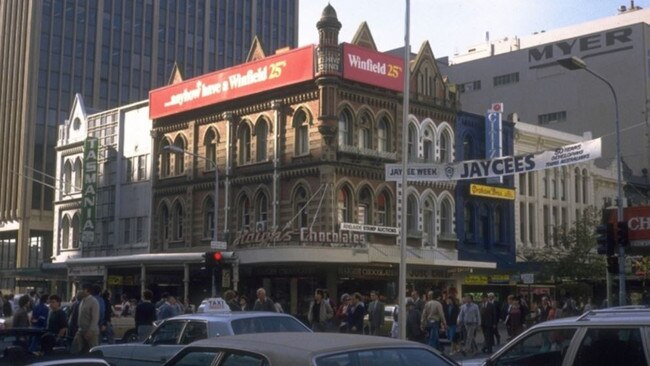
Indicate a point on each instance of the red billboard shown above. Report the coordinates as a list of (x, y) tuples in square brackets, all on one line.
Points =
[(638, 225), (272, 72), (374, 68)]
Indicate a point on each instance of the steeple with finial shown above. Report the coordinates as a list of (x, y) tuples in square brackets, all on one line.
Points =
[(329, 53)]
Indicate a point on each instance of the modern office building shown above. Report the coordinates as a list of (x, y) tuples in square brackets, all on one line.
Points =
[(112, 52), (522, 72)]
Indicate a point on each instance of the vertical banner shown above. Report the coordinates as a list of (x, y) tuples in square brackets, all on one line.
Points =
[(493, 136), (89, 190)]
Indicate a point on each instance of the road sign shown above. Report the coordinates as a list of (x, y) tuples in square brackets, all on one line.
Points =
[(218, 245)]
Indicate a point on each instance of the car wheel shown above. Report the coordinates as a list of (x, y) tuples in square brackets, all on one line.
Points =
[(131, 336)]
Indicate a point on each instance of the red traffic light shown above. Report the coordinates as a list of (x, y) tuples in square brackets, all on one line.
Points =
[(217, 256)]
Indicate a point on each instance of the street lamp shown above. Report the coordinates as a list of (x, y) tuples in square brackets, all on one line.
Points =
[(575, 63), (179, 150)]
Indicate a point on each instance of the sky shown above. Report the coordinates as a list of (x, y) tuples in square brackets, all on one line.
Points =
[(452, 26)]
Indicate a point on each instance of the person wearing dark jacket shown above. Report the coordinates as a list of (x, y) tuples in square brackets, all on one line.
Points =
[(488, 323), (413, 315), (451, 316), (263, 303), (231, 300), (145, 314), (497, 316), (356, 311)]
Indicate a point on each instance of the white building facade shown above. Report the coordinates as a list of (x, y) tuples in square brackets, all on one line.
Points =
[(548, 200), (123, 200), (524, 74)]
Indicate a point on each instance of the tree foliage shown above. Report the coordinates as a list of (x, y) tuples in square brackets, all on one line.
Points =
[(572, 253)]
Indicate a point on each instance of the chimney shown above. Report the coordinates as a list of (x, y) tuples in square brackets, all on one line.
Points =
[(487, 37)]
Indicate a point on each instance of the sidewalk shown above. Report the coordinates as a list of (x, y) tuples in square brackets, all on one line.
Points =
[(479, 342)]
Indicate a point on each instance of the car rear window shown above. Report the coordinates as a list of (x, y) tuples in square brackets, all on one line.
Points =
[(384, 357), (267, 324)]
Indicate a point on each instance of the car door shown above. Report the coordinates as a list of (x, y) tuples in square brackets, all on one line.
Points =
[(618, 345), (541, 347), (163, 343), (194, 330)]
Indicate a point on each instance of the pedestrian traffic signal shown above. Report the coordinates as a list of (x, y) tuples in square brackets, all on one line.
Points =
[(612, 265), (622, 234), (605, 239), (212, 259)]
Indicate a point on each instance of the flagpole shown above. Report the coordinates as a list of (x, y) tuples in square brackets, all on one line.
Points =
[(403, 232)]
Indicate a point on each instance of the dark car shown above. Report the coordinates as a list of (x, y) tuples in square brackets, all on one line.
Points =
[(309, 349)]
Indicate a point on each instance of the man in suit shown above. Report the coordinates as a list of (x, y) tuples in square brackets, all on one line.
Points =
[(488, 323), (375, 313), (497, 316), (417, 300)]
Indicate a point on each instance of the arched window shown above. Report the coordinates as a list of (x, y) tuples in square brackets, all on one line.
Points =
[(498, 224), (300, 209), (412, 214), (165, 223), (301, 126), (75, 231), (412, 143), (345, 121), (244, 213), (445, 147), (165, 159), (364, 207), (468, 218), (383, 135), (446, 217), (178, 221), (429, 220), (67, 177), (208, 218), (244, 143), (210, 143), (65, 233), (179, 158), (365, 139), (261, 208), (343, 204), (78, 175), (428, 145), (261, 133), (383, 209)]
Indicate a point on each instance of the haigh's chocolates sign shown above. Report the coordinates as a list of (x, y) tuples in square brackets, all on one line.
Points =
[(250, 78), (341, 239), (374, 68)]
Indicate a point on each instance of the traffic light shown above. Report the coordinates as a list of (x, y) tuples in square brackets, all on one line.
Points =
[(622, 234), (612, 265), (605, 239), (212, 259)]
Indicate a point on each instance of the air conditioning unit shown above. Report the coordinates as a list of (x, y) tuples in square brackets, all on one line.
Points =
[(260, 226)]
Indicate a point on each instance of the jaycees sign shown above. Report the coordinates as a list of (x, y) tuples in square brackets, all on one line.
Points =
[(254, 77), (507, 165), (89, 190)]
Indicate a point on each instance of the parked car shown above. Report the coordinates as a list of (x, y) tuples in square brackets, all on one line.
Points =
[(172, 334), (315, 349), (614, 336)]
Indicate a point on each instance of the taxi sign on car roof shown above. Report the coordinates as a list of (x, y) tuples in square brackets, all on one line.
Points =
[(212, 305)]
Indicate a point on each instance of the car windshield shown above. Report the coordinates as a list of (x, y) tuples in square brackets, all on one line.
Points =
[(266, 324), (384, 357)]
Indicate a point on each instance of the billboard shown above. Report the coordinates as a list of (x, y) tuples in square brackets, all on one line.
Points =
[(638, 224), (272, 72), (373, 68)]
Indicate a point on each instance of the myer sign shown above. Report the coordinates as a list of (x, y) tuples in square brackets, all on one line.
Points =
[(89, 191)]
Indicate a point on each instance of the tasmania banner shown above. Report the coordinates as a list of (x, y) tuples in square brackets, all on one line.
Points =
[(89, 190), (503, 166), (272, 72), (372, 67)]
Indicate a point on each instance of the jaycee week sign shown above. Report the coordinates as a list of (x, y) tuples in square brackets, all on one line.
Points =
[(503, 166)]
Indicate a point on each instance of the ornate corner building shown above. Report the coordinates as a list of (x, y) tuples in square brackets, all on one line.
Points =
[(300, 140)]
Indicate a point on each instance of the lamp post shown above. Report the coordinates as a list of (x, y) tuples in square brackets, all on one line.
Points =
[(176, 149), (575, 63)]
